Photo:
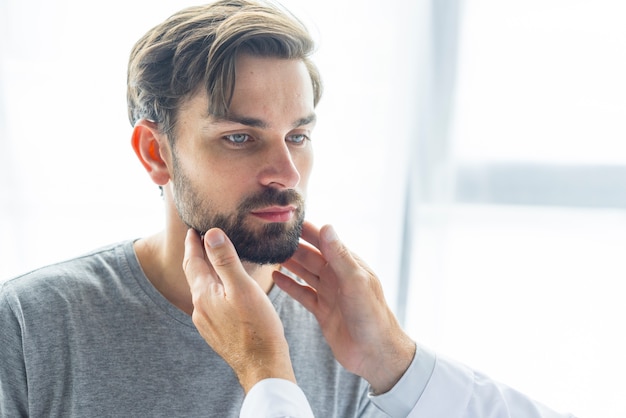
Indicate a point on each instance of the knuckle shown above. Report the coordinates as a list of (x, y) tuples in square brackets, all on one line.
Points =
[(223, 259), (186, 264), (343, 251), (198, 318), (197, 301)]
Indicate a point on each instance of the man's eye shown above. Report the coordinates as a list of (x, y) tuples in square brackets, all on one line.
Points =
[(237, 138), (297, 138)]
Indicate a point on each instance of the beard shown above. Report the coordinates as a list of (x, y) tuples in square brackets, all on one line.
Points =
[(269, 243)]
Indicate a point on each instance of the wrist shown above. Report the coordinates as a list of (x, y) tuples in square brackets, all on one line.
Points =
[(264, 367), (392, 362)]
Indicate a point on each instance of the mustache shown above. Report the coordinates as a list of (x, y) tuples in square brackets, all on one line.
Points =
[(270, 197)]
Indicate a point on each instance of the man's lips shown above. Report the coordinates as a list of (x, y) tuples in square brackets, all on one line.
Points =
[(275, 213)]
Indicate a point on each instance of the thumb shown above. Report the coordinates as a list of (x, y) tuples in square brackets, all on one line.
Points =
[(197, 270), (223, 257), (338, 255)]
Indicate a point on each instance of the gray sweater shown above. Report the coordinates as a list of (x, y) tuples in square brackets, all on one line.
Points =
[(91, 337)]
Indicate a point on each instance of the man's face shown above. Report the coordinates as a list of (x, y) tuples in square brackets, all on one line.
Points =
[(246, 173)]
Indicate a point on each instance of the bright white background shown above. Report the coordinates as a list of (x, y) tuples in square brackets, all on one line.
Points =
[(527, 291)]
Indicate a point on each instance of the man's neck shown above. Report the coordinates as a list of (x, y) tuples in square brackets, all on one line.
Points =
[(161, 258)]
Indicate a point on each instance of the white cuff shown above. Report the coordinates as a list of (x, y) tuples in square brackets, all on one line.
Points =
[(275, 398), (403, 397)]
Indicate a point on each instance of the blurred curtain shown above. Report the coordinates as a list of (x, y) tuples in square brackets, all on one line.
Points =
[(430, 170)]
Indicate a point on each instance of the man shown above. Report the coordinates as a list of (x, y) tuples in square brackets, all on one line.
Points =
[(222, 100)]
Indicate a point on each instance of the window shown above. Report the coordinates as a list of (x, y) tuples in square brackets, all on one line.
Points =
[(518, 252)]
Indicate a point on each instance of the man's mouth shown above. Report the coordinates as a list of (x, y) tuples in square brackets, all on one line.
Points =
[(275, 213)]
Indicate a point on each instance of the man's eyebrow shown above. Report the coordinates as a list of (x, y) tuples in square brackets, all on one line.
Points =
[(305, 120), (242, 120), (258, 123)]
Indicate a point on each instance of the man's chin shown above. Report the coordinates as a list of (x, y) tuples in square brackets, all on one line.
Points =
[(275, 244), (266, 258)]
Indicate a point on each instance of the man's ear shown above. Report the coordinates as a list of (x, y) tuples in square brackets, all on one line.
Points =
[(149, 145)]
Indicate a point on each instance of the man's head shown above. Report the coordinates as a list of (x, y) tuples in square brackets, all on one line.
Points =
[(197, 47), (222, 98)]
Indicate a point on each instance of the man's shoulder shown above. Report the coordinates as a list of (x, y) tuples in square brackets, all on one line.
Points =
[(72, 272)]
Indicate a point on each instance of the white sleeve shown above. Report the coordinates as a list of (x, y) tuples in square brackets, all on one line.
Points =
[(403, 397), (275, 398), (453, 390)]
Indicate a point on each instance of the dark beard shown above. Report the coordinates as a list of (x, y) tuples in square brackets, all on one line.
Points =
[(274, 243)]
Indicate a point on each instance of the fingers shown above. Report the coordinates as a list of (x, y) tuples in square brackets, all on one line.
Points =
[(339, 257), (195, 265), (301, 272), (311, 233), (326, 240), (307, 263), (331, 252), (223, 267), (223, 257), (303, 294)]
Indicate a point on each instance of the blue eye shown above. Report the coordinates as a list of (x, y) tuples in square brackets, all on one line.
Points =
[(237, 138), (297, 138)]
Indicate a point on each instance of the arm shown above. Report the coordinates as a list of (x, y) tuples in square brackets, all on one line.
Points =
[(13, 387)]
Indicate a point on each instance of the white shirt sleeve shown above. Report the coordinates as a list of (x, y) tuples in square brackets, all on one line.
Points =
[(275, 398), (454, 390), (432, 387), (403, 397)]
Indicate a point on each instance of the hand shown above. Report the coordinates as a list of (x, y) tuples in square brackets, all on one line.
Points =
[(347, 299), (232, 313)]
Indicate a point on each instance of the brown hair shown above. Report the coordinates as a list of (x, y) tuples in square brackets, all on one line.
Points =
[(198, 46)]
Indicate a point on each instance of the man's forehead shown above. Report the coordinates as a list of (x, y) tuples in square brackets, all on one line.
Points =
[(198, 104)]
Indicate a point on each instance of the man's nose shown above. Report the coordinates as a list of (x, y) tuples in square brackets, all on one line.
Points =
[(279, 169)]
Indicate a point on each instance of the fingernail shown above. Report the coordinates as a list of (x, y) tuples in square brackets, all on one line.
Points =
[(330, 235), (214, 238)]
